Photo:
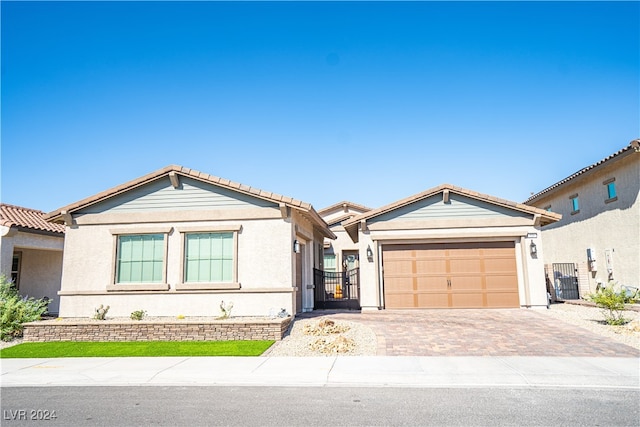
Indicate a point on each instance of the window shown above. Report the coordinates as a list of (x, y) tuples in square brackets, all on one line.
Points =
[(329, 262), (547, 208), (140, 258), (15, 269), (575, 204), (209, 258), (612, 195)]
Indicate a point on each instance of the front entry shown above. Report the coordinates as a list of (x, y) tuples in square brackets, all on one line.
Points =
[(299, 278), (450, 275)]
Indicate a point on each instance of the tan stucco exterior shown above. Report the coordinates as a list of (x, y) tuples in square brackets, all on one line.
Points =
[(605, 226), (265, 262), (40, 262), (334, 216)]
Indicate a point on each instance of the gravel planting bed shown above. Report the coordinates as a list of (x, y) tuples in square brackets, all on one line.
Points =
[(591, 318)]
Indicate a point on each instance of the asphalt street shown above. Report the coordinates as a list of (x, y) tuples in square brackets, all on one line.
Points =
[(318, 406)]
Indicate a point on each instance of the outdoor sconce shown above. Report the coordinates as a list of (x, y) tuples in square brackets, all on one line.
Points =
[(533, 248), (296, 246), (369, 253)]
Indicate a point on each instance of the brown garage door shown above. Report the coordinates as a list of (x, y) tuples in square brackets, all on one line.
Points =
[(450, 275)]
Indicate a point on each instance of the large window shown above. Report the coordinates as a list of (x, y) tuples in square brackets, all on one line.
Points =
[(140, 258), (209, 257)]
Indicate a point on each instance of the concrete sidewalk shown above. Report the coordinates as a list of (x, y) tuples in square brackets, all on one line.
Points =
[(365, 371)]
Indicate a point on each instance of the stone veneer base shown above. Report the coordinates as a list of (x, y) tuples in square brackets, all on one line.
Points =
[(156, 330)]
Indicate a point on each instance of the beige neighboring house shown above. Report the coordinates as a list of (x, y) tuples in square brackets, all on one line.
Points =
[(31, 253), (180, 242), (598, 238), (449, 247)]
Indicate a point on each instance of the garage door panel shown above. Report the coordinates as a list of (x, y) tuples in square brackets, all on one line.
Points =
[(432, 300), (431, 283), (433, 266), (467, 300), (462, 283), (465, 266), (400, 300), (498, 282), (503, 299), (400, 284), (500, 264)]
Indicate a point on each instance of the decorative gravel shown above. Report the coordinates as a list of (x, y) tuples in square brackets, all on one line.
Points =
[(592, 319), (297, 343)]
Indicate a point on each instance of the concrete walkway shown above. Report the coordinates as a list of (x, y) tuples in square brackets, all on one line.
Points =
[(376, 371)]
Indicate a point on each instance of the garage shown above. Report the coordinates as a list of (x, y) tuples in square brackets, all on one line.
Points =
[(450, 275), (449, 247)]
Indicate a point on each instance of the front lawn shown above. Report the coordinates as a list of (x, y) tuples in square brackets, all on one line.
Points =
[(135, 349)]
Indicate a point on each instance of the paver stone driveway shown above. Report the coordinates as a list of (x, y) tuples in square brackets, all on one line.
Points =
[(495, 332)]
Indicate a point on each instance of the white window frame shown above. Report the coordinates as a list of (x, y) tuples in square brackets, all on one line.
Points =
[(235, 229)]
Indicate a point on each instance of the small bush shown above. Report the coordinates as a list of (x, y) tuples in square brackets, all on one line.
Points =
[(16, 310), (612, 304), (138, 315), (101, 312)]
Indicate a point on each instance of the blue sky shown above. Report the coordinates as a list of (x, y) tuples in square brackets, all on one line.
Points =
[(326, 101)]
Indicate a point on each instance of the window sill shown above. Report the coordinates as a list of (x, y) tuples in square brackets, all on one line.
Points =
[(575, 212), (206, 286), (613, 199), (138, 287)]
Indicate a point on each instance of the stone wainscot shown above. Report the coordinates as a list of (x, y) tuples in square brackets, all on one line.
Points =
[(158, 329)]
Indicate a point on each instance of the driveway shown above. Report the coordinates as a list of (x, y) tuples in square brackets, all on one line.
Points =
[(504, 332)]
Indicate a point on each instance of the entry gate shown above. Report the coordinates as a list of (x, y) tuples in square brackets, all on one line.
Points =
[(337, 289), (565, 281)]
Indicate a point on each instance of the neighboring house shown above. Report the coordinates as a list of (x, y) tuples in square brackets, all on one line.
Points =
[(449, 247), (31, 253), (598, 238), (179, 242)]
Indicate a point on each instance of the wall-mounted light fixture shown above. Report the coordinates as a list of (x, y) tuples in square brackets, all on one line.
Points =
[(533, 248), (369, 252), (296, 246)]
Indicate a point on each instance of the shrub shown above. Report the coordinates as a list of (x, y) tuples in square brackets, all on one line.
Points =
[(101, 312), (16, 310), (138, 315), (612, 304)]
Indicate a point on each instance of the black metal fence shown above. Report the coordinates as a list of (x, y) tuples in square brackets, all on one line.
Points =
[(565, 281), (337, 289)]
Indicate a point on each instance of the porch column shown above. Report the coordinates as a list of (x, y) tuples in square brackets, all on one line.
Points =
[(6, 250)]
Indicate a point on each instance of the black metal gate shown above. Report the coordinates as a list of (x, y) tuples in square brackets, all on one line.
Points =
[(565, 281), (337, 289)]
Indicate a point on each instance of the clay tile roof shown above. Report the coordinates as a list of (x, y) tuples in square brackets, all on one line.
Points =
[(633, 147), (32, 219)]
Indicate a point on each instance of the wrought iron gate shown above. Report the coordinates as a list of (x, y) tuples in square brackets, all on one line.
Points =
[(565, 281), (337, 289)]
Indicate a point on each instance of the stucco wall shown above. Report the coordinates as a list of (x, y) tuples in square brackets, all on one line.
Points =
[(264, 272), (598, 225), (41, 263)]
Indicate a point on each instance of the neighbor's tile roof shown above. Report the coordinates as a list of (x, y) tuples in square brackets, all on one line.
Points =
[(634, 146), (16, 216)]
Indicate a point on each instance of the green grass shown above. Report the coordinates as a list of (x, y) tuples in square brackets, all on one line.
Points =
[(135, 349)]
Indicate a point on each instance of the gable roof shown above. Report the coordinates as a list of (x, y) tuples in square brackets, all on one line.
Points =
[(342, 205), (27, 219), (633, 147), (172, 171), (546, 217)]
